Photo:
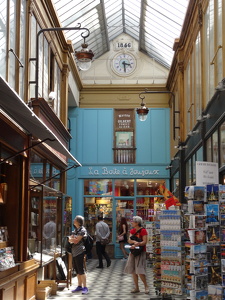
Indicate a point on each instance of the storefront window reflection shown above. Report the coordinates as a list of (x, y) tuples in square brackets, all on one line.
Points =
[(98, 187), (124, 187)]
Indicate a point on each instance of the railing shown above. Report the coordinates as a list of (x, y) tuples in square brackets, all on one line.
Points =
[(124, 155)]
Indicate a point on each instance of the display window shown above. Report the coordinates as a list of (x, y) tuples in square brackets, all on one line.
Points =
[(124, 208), (117, 198), (124, 187), (97, 187), (94, 207), (50, 222)]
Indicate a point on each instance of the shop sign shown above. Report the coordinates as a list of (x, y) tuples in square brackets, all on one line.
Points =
[(124, 118), (206, 173), (105, 171)]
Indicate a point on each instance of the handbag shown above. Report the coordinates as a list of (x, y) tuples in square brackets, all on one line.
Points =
[(139, 250), (120, 238)]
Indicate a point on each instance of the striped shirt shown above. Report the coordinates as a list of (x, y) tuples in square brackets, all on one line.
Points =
[(79, 248)]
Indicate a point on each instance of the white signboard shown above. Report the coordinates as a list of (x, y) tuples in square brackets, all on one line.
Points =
[(206, 173)]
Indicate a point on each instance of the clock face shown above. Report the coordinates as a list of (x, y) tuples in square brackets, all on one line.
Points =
[(124, 64)]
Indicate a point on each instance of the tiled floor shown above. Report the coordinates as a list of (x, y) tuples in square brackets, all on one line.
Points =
[(107, 283)]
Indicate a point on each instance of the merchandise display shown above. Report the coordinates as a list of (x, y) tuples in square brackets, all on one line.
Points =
[(156, 257), (171, 252), (204, 248), (6, 258)]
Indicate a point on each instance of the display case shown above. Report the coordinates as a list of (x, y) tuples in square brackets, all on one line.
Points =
[(50, 221)]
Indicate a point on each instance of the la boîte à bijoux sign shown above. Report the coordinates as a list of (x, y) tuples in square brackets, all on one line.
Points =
[(206, 173)]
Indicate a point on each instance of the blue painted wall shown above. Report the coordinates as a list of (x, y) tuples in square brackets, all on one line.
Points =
[(92, 145), (92, 131)]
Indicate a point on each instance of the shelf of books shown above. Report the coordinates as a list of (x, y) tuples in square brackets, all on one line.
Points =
[(204, 243), (172, 269)]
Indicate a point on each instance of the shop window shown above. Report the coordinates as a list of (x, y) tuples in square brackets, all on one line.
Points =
[(124, 187), (124, 208), (146, 205), (10, 202), (94, 207), (124, 136), (97, 187), (43, 171), (215, 146), (45, 225), (209, 149)]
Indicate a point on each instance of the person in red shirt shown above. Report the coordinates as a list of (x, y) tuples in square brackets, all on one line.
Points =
[(136, 265)]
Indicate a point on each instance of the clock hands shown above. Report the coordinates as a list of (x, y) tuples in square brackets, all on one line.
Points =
[(124, 65)]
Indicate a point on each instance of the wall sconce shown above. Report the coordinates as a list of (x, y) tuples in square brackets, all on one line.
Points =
[(143, 110), (203, 118), (191, 133)]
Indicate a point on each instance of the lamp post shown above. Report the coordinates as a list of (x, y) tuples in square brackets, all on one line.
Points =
[(84, 56)]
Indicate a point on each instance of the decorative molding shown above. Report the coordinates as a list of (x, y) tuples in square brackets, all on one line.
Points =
[(124, 98), (200, 13), (181, 66)]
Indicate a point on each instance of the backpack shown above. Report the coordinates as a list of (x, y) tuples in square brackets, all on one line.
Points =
[(88, 244)]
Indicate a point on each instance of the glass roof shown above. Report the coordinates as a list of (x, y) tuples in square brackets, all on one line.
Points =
[(153, 23)]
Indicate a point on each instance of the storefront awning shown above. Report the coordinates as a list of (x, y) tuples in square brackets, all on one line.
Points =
[(19, 112)]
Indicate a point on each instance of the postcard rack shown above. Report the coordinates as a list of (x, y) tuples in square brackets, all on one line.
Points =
[(171, 239), (205, 245)]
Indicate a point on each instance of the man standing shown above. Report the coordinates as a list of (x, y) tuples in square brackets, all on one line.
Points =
[(102, 232)]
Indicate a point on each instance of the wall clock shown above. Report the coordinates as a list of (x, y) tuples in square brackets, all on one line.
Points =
[(124, 64)]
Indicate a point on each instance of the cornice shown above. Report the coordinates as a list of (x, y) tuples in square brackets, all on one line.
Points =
[(127, 89)]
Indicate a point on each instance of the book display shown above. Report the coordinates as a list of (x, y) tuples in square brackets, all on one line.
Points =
[(172, 269)]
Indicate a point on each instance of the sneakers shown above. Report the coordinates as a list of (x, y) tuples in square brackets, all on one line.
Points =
[(124, 258), (84, 291), (77, 289)]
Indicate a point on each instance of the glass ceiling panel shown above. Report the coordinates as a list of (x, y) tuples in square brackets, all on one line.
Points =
[(161, 23)]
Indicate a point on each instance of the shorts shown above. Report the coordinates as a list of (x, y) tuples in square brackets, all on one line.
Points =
[(136, 264), (79, 264)]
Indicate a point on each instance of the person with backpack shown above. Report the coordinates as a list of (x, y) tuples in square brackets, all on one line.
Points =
[(77, 239)]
